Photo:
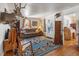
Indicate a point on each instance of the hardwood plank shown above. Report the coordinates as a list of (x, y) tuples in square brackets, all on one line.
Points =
[(68, 49)]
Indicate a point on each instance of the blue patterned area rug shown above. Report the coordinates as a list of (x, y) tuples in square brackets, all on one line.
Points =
[(41, 46)]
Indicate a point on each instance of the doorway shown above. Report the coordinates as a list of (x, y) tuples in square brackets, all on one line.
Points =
[(69, 25)]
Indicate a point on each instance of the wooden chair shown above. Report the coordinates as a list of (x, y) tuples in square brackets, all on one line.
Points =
[(21, 49), (10, 44), (14, 37), (7, 43), (20, 52)]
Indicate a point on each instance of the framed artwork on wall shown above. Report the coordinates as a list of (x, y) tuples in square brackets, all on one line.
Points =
[(26, 24), (34, 23), (50, 24)]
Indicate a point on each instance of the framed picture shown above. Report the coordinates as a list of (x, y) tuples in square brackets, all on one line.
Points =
[(50, 26), (34, 23), (26, 24)]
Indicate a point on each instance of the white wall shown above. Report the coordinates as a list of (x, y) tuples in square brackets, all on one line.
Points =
[(8, 6), (39, 20), (67, 21)]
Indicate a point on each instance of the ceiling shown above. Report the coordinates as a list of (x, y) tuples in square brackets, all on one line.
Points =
[(39, 9), (43, 8)]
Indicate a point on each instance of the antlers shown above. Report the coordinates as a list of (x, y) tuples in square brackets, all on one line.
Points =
[(19, 5), (23, 6)]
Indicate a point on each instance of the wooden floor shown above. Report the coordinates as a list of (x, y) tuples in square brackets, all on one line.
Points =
[(68, 49)]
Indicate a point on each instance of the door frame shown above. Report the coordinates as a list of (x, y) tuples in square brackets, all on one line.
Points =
[(76, 28)]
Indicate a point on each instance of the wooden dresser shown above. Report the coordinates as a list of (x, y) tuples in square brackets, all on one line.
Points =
[(67, 33)]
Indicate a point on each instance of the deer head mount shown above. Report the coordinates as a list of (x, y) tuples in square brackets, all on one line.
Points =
[(18, 7)]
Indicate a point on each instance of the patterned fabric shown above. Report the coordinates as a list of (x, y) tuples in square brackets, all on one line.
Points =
[(40, 46)]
